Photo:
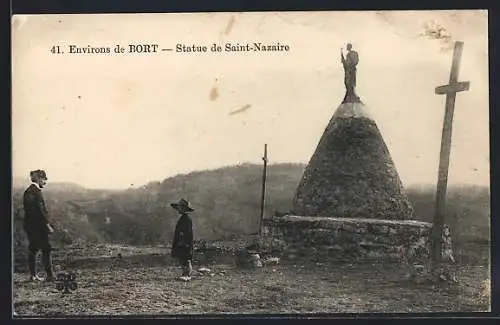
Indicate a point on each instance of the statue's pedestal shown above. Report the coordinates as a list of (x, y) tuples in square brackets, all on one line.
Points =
[(351, 97), (326, 239), (351, 173)]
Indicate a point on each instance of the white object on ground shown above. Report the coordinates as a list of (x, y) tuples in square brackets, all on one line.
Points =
[(272, 260), (36, 277), (255, 257)]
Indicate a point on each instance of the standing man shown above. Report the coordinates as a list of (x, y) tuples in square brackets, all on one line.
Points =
[(37, 225), (350, 62), (182, 246)]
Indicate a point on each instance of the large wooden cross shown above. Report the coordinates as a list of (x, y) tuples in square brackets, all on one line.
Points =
[(450, 90)]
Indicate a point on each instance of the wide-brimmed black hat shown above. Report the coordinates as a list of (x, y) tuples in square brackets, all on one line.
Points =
[(39, 173), (182, 205)]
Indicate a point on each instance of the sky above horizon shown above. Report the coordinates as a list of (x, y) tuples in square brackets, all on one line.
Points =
[(109, 121)]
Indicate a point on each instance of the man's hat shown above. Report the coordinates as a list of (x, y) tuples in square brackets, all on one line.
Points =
[(39, 173), (183, 206)]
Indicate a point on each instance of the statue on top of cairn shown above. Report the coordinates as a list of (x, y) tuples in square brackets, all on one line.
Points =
[(350, 61)]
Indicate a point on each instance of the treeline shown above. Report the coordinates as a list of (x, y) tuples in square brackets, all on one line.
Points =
[(227, 203)]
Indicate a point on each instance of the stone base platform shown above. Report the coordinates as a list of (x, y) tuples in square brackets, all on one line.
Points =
[(326, 239)]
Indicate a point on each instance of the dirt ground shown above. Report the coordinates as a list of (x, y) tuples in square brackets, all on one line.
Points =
[(145, 282)]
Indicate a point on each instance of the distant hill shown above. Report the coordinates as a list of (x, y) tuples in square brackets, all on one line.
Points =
[(21, 183), (227, 203)]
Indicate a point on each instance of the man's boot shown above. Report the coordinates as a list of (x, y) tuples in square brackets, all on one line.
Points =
[(186, 271), (32, 266), (189, 269), (47, 263)]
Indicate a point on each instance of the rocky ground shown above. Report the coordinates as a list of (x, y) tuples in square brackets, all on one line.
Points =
[(145, 281)]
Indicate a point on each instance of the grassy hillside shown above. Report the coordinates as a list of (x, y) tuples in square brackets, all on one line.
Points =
[(227, 203)]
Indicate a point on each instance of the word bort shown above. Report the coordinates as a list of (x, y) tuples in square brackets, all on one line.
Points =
[(143, 48)]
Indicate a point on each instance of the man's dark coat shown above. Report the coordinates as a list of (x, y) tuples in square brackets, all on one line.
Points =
[(36, 218)]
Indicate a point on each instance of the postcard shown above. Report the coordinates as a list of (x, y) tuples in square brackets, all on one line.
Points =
[(250, 163)]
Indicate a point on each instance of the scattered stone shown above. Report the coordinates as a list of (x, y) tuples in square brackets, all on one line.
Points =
[(256, 262), (204, 270), (248, 259), (272, 260), (255, 256)]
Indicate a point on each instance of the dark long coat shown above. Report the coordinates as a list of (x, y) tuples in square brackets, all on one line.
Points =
[(36, 218), (182, 245)]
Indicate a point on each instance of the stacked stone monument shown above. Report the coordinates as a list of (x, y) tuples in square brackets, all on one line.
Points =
[(350, 203)]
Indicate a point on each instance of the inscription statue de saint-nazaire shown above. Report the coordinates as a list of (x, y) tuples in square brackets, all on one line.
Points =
[(350, 61)]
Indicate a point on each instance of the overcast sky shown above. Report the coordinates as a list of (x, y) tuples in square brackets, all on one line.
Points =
[(109, 121)]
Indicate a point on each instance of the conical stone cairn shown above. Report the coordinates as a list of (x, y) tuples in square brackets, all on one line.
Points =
[(351, 174)]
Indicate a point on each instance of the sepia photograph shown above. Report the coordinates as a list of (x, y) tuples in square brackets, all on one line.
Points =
[(250, 163)]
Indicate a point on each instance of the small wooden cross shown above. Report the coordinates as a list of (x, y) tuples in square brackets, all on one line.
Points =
[(450, 90), (66, 282)]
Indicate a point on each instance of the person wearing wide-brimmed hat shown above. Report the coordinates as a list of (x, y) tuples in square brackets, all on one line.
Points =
[(182, 245), (37, 225)]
